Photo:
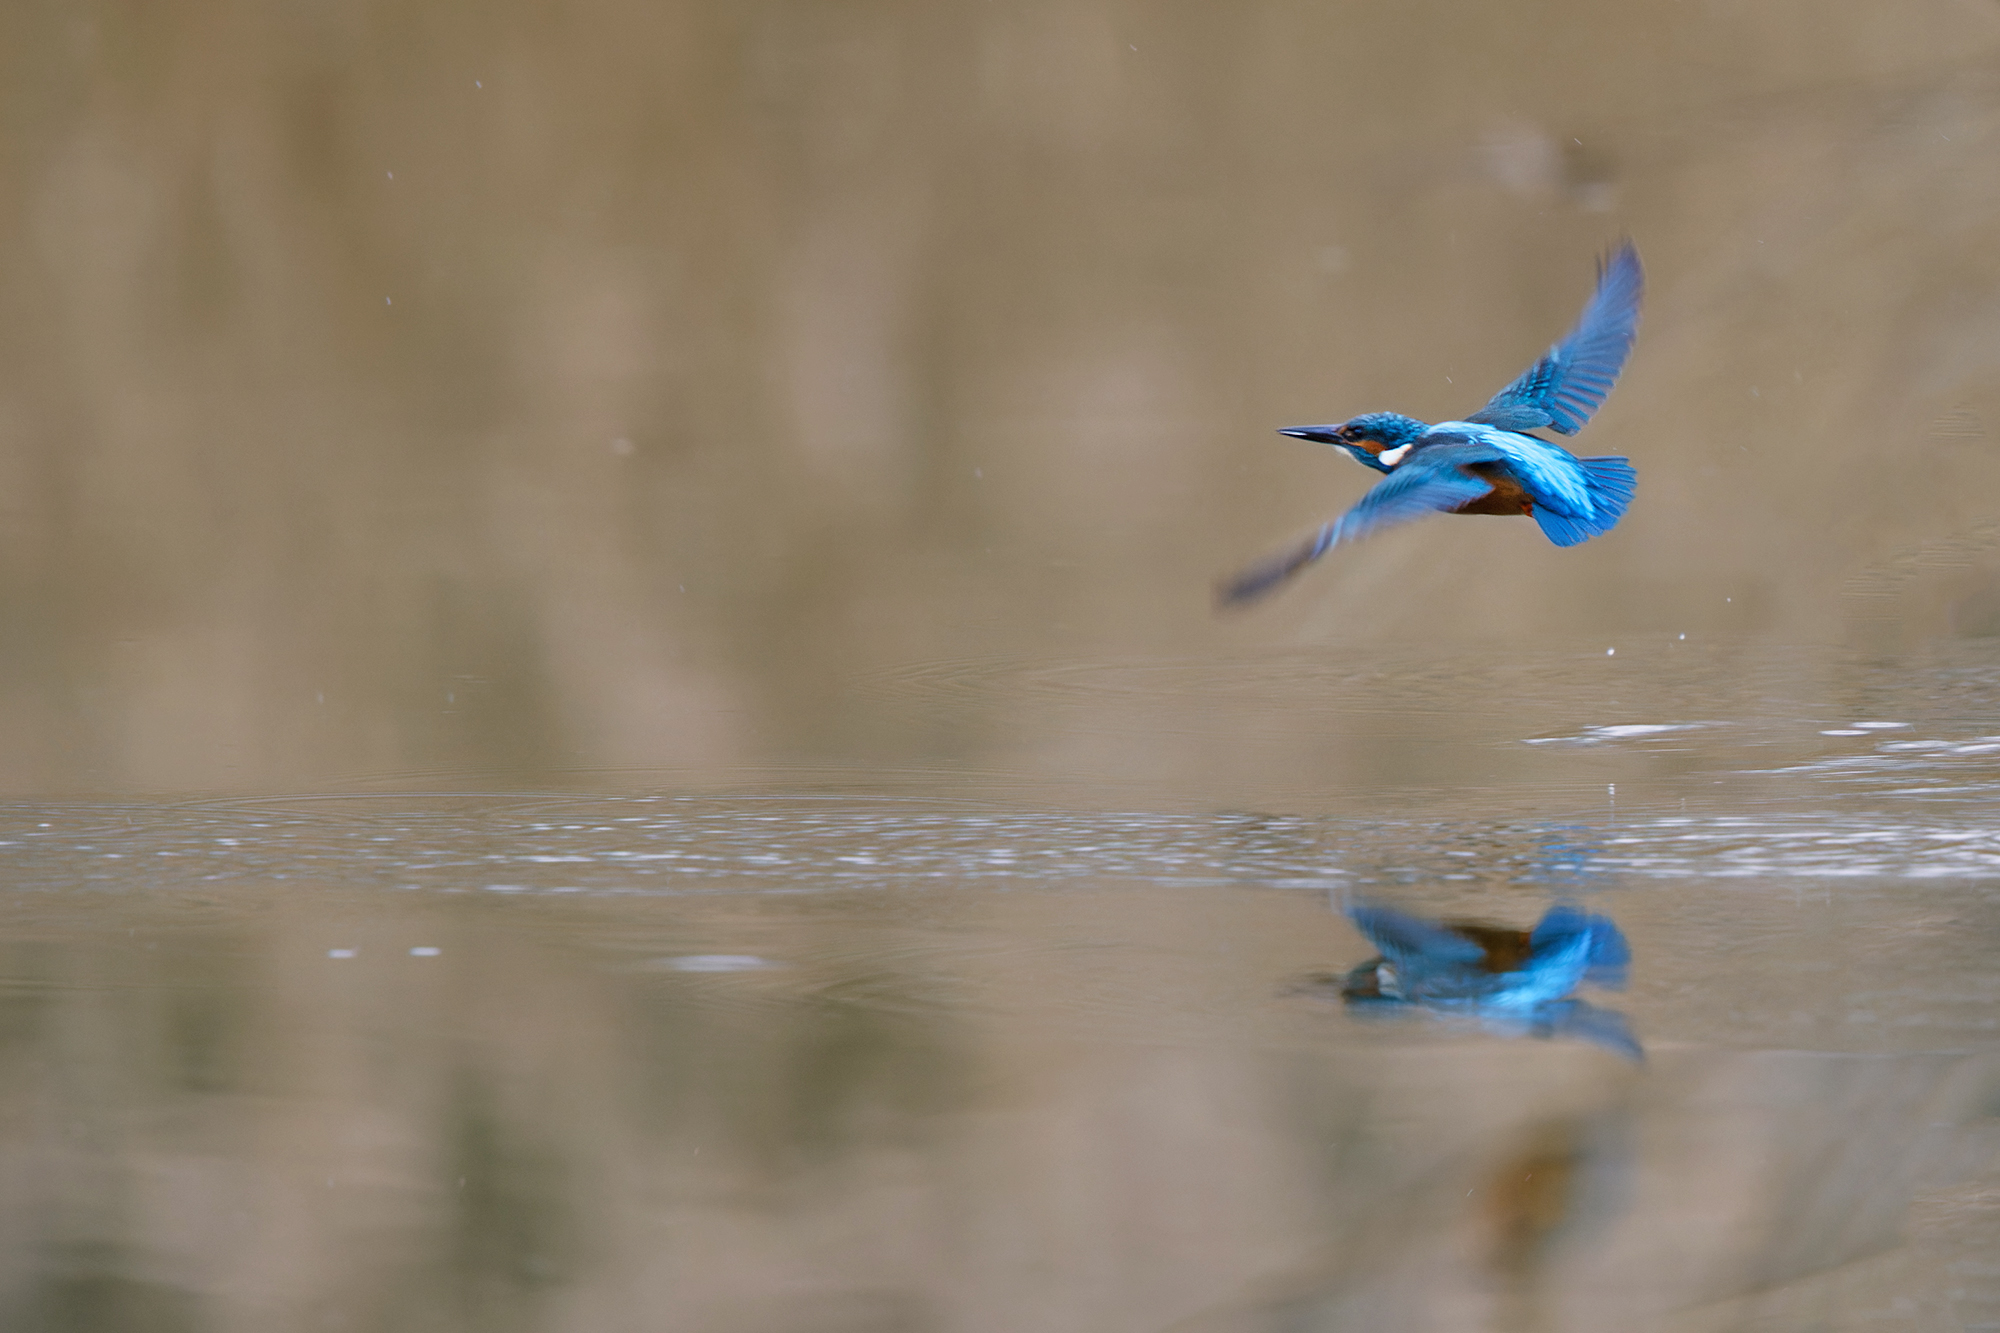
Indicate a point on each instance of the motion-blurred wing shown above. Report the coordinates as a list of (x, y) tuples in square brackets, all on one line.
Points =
[(1428, 482), (1402, 937), (1602, 1027), (1607, 958), (1563, 389)]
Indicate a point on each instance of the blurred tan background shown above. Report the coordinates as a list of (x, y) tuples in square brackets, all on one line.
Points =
[(468, 393)]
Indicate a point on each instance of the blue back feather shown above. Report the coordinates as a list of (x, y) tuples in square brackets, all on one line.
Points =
[(1610, 482)]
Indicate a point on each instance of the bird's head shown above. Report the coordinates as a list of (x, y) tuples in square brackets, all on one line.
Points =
[(1367, 437)]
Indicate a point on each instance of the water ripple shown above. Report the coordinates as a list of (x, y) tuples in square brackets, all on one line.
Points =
[(720, 845)]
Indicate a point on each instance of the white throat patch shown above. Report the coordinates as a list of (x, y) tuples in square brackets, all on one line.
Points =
[(1391, 457)]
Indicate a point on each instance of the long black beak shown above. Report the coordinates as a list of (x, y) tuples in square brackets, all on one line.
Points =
[(1317, 434)]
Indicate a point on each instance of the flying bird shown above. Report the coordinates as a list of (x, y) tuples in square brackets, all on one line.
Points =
[(1471, 963), (1521, 982), (1489, 463)]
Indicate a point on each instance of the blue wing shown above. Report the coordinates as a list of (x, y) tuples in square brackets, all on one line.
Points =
[(1606, 957), (1429, 481), (1563, 389), (1581, 1019), (1404, 938)]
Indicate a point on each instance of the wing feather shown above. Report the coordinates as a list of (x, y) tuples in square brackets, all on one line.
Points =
[(1402, 937), (1567, 386), (1429, 481)]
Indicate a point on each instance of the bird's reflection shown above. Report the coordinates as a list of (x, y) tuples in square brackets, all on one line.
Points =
[(1519, 982)]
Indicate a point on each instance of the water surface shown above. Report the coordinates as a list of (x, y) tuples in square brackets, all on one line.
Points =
[(775, 1059)]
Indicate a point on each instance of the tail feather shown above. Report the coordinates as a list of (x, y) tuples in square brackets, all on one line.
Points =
[(1611, 482), (1561, 530)]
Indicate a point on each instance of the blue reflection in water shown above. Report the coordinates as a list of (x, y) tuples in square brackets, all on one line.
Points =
[(1518, 982)]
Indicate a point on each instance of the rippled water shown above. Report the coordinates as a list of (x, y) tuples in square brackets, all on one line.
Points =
[(689, 845), (1050, 1040), (774, 1059)]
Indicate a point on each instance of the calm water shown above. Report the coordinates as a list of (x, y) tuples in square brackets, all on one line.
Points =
[(826, 1059), (610, 717)]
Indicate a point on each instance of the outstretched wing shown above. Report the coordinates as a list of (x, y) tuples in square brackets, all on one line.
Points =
[(1563, 389), (1402, 937), (1429, 481)]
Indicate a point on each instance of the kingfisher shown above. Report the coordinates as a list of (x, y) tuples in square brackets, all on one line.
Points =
[(1521, 982), (1489, 463), (1476, 965)]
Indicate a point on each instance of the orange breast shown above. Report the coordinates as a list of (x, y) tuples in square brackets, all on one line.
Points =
[(1506, 950), (1507, 497)]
